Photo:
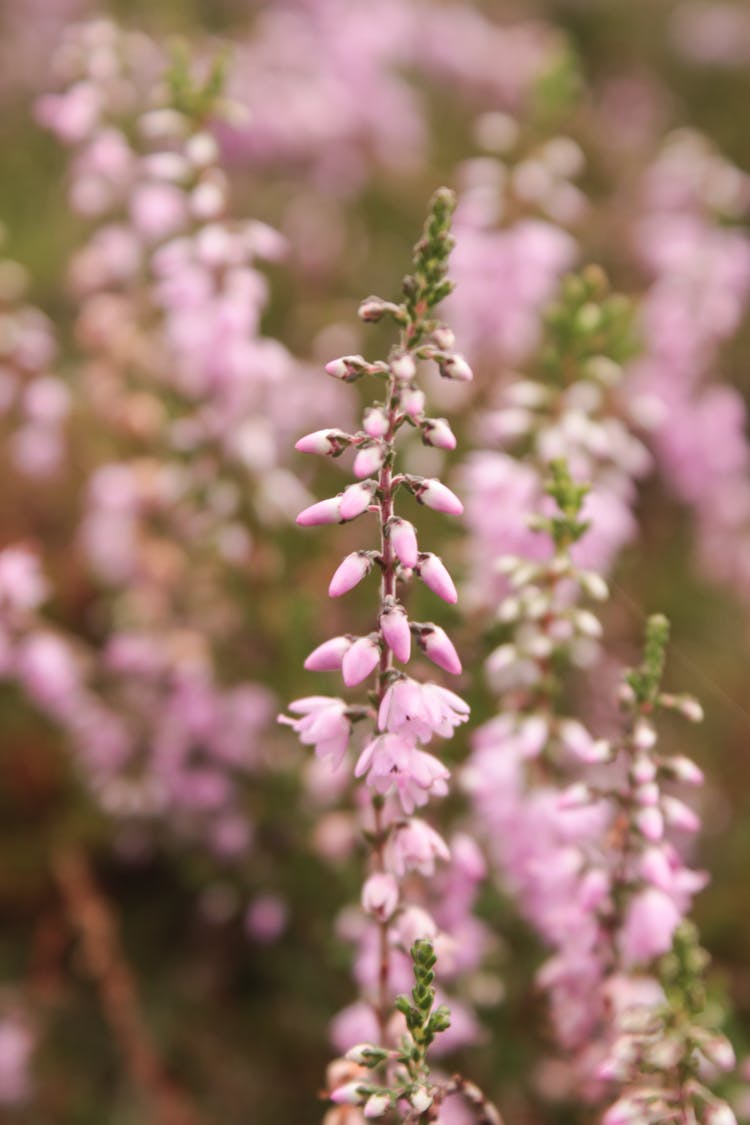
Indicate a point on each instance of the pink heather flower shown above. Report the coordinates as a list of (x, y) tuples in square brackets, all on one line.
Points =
[(325, 511), (158, 210), (437, 432), (414, 846), (577, 741), (323, 724), (434, 494), (375, 422), (328, 656), (380, 895), (348, 1094), (266, 918), (376, 1105), (415, 923), (356, 499), (368, 461), (404, 542), (650, 822), (456, 367), (392, 760), (349, 573), (404, 367), (347, 367), (438, 646), (421, 710), (720, 1115), (394, 625), (679, 815), (649, 927), (625, 1111), (412, 401), (360, 660), (434, 574), (22, 584), (322, 441)]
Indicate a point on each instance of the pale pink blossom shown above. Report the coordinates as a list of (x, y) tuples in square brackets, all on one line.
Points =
[(323, 724)]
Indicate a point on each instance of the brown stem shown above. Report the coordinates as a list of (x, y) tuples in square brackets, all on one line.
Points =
[(91, 916), (387, 590)]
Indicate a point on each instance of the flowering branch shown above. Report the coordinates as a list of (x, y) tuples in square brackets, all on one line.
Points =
[(404, 712)]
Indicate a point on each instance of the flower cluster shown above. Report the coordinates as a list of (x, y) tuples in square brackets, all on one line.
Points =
[(406, 714)]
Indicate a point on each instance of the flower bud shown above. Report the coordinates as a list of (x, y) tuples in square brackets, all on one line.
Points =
[(421, 1099), (372, 309), (326, 442), (356, 499), (404, 367), (375, 422), (444, 337), (350, 572), (348, 367), (683, 769), (435, 576), (368, 460), (437, 432), (328, 656), (380, 896), (325, 511), (438, 647), (456, 367), (411, 401), (404, 541), (360, 660), (348, 1094), (394, 625), (377, 1105), (436, 495)]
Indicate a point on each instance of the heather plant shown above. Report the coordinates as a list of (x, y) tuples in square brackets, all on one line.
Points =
[(402, 714)]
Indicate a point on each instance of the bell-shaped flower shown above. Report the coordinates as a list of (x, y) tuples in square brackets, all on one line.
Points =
[(323, 723), (439, 648), (421, 710)]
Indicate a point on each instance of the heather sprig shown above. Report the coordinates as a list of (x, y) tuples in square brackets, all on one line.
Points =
[(404, 713)]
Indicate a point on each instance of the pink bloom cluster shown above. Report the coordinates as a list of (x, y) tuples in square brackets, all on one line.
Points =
[(34, 400), (700, 271), (399, 772)]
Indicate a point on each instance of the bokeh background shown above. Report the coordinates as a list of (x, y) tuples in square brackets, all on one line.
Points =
[(165, 962)]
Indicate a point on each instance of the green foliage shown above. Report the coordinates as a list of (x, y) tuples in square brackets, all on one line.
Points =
[(645, 680)]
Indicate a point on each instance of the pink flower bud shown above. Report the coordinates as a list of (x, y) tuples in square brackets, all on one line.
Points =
[(380, 896), (368, 460), (683, 769), (720, 1115), (437, 432), (322, 441), (372, 309), (433, 573), (356, 499), (434, 494), (394, 625), (438, 647), (348, 367), (456, 367), (404, 367), (444, 337), (361, 659), (404, 542), (650, 822), (375, 422), (351, 571), (348, 1094), (325, 511), (328, 656), (412, 401), (376, 1105), (679, 815), (421, 1099)]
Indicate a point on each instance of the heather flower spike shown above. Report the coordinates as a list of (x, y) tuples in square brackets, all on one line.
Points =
[(590, 856), (401, 777)]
